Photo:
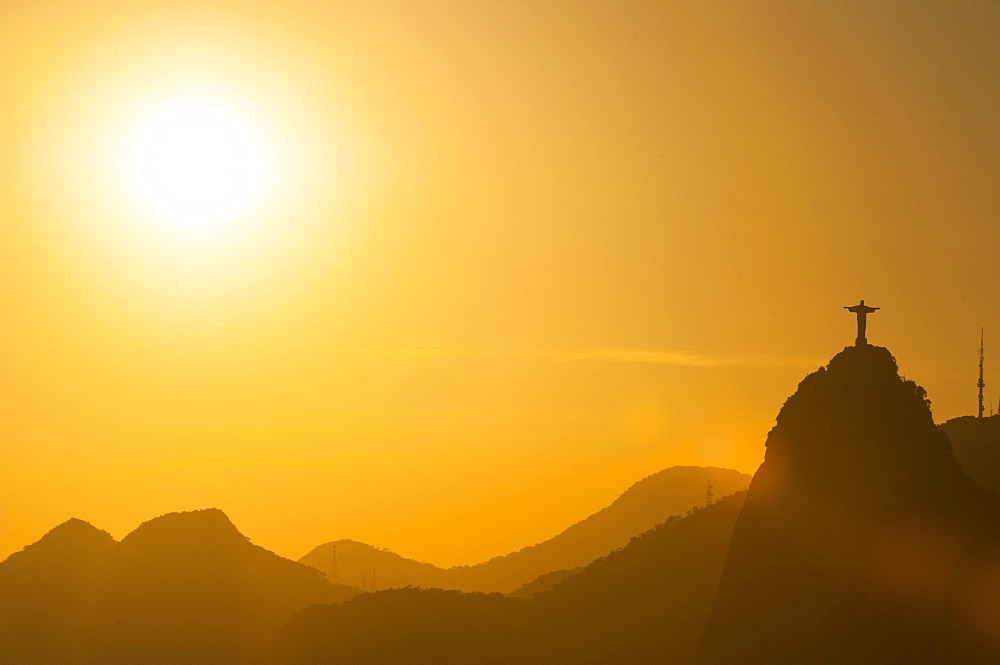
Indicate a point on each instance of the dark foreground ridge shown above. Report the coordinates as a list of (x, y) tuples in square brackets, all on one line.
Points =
[(861, 540)]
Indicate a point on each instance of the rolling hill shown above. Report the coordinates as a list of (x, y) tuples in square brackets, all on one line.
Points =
[(650, 501)]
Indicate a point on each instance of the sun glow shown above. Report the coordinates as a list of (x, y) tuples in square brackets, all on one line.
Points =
[(196, 165)]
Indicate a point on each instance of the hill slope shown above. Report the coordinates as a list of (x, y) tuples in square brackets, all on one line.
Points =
[(648, 502)]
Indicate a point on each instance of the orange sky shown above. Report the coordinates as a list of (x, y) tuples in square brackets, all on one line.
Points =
[(513, 256)]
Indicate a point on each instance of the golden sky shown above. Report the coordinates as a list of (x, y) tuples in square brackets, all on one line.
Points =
[(510, 257)]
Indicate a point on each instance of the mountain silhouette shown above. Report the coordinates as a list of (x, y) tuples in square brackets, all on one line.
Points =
[(861, 540), (648, 502), (976, 442), (181, 588), (646, 602), (47, 592), (350, 560)]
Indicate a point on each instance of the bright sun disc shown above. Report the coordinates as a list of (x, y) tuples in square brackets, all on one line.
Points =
[(196, 164)]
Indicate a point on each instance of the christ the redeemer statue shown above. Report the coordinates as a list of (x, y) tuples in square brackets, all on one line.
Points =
[(862, 310)]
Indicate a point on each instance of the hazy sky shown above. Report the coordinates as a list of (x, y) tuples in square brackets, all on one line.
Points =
[(511, 257)]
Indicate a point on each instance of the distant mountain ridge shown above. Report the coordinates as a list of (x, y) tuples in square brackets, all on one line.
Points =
[(648, 502), (190, 589), (644, 603), (182, 588)]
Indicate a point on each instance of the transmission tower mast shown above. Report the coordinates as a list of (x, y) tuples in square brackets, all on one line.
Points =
[(708, 495), (981, 383)]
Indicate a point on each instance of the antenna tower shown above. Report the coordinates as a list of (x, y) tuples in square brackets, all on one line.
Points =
[(333, 565), (708, 495), (981, 383)]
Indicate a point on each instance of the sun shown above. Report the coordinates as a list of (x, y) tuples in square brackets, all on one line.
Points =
[(196, 164)]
